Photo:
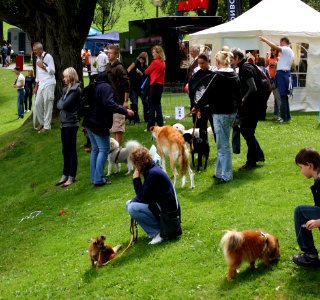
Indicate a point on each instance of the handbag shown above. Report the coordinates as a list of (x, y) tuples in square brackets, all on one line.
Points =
[(236, 146), (170, 222)]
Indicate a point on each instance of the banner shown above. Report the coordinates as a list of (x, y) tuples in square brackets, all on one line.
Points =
[(234, 9)]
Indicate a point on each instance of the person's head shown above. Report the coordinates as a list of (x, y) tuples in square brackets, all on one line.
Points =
[(203, 61), (274, 53), (157, 52), (113, 53), (37, 48), (70, 76), (225, 48), (308, 159), (284, 41), (17, 70), (238, 56), (194, 51), (143, 58), (223, 59), (261, 62), (141, 158), (30, 73)]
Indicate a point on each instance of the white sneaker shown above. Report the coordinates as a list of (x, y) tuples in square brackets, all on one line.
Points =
[(156, 240)]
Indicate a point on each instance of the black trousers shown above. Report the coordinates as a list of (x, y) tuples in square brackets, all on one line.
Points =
[(69, 151)]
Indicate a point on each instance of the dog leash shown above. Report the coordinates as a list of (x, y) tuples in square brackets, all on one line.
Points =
[(134, 237)]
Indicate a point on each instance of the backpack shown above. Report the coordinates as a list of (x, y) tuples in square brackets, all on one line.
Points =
[(86, 100), (265, 81)]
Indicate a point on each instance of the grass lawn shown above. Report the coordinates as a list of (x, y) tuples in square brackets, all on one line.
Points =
[(45, 257)]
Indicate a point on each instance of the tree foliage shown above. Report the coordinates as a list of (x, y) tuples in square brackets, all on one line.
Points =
[(60, 25), (107, 14)]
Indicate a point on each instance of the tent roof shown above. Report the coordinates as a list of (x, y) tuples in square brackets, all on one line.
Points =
[(107, 37), (94, 31), (282, 17)]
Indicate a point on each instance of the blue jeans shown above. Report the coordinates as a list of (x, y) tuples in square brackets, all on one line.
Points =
[(302, 214), (144, 217), (20, 102), (100, 145), (222, 127), (155, 109), (69, 151)]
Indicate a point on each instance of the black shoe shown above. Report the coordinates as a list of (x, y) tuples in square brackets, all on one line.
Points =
[(261, 159), (247, 167), (221, 181), (306, 260), (102, 183)]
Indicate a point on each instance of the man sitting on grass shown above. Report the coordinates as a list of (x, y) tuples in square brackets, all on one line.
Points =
[(307, 217)]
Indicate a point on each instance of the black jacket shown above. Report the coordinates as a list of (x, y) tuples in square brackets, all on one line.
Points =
[(315, 189), (100, 119), (68, 105)]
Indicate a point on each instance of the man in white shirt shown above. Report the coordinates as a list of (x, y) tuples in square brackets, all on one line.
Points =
[(283, 74), (102, 60), (19, 85), (44, 88)]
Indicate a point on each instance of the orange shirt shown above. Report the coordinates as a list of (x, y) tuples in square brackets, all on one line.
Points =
[(272, 62), (86, 56)]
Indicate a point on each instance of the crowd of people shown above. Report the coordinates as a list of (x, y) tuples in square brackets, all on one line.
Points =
[(226, 93)]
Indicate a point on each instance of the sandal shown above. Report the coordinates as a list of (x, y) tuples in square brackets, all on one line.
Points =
[(67, 183)]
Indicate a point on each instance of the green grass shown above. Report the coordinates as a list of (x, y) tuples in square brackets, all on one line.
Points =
[(46, 257)]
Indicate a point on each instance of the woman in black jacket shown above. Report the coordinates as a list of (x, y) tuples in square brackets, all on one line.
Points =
[(98, 124), (68, 106)]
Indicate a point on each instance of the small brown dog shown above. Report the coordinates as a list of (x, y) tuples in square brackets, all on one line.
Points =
[(100, 252), (248, 245)]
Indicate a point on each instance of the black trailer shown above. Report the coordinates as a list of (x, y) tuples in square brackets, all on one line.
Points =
[(170, 33)]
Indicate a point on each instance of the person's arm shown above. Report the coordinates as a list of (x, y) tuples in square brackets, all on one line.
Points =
[(70, 101), (251, 89), (19, 84), (131, 67), (271, 44)]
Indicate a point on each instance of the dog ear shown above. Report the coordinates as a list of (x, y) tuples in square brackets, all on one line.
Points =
[(151, 128)]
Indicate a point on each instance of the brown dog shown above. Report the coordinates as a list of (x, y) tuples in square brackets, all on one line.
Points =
[(171, 143), (248, 245), (100, 252)]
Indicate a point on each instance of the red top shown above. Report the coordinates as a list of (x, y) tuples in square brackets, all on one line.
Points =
[(156, 71)]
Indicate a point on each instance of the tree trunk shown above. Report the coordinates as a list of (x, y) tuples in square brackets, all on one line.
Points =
[(60, 25)]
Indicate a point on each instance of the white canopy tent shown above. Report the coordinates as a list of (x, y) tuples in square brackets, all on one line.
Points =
[(275, 19)]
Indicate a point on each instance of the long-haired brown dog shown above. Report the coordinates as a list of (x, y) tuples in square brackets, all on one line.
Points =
[(171, 143), (100, 252), (248, 245)]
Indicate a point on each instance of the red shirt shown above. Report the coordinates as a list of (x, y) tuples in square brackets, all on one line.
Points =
[(156, 71)]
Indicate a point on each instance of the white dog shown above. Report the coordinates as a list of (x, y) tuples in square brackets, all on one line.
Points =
[(118, 155), (182, 130)]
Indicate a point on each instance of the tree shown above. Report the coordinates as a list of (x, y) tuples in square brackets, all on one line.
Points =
[(60, 25), (107, 14)]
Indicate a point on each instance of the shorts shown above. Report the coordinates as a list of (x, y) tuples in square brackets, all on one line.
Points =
[(118, 124)]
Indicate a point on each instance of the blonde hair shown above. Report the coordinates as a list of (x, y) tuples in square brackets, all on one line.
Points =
[(159, 51), (71, 75), (30, 73), (223, 57), (144, 55)]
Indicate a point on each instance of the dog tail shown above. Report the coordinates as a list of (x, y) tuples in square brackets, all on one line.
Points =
[(231, 241), (184, 159), (131, 145)]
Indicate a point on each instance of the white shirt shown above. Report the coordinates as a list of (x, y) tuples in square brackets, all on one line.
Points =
[(102, 60), (18, 83), (286, 59), (46, 78)]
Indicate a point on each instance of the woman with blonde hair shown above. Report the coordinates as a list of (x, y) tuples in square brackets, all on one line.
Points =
[(156, 71), (68, 105), (223, 95)]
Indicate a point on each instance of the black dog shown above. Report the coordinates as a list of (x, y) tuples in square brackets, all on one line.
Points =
[(199, 145)]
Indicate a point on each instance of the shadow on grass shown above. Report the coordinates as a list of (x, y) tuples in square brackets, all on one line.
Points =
[(247, 275)]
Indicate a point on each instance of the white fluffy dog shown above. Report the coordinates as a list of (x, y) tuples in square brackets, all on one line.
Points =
[(118, 155)]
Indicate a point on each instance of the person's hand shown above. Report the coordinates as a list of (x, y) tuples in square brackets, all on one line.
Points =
[(313, 224), (136, 173), (194, 110), (262, 38), (130, 112), (186, 88), (125, 104), (35, 89)]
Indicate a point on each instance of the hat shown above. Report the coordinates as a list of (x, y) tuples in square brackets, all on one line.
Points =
[(17, 68)]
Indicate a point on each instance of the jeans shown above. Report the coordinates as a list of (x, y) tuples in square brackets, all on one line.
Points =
[(302, 214), (285, 109), (69, 151), (100, 145), (155, 109), (248, 127), (144, 217), (222, 126), (20, 102)]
